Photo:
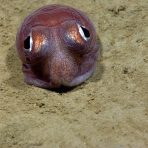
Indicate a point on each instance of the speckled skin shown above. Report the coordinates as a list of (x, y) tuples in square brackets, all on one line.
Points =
[(59, 55)]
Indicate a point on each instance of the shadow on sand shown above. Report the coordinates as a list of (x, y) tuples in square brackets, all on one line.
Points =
[(14, 67)]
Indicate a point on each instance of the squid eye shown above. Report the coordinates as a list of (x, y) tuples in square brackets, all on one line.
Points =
[(28, 43), (84, 32)]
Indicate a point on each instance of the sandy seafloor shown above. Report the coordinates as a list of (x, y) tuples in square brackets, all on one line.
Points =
[(110, 110)]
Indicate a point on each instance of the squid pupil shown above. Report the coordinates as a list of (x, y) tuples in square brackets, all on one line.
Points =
[(27, 43), (86, 32)]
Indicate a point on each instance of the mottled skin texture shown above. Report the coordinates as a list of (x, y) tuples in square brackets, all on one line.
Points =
[(59, 55)]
